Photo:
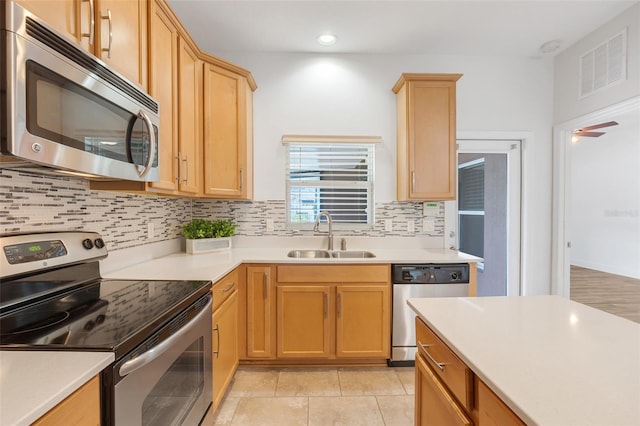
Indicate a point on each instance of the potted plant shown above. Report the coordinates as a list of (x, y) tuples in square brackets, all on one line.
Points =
[(204, 235)]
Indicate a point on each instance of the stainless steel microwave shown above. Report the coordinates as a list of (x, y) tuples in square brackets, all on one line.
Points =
[(66, 111)]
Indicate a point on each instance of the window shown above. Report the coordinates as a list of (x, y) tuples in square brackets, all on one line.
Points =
[(471, 207), (333, 174)]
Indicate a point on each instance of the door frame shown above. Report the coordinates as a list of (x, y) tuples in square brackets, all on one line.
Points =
[(562, 133), (499, 143)]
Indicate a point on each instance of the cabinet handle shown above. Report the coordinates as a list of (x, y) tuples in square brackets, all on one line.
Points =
[(413, 181), (339, 307), (217, 330), (265, 286), (92, 22), (325, 304), (229, 287), (424, 347), (185, 160), (241, 180), (108, 18)]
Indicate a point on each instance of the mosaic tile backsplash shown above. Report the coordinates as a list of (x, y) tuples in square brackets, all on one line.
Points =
[(34, 203)]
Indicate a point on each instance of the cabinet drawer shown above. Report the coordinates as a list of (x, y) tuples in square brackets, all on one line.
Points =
[(333, 274), (491, 409), (223, 288), (453, 372)]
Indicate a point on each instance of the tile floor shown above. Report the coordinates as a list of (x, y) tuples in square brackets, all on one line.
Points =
[(318, 397)]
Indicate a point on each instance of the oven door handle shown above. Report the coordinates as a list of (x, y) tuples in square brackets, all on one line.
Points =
[(153, 353)]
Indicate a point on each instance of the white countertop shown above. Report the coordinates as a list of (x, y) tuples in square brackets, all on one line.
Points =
[(213, 266), (552, 360), (33, 382)]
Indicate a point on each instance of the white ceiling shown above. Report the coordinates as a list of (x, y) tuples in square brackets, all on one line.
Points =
[(475, 27)]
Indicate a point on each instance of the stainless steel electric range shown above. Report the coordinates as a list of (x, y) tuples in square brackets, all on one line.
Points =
[(52, 297)]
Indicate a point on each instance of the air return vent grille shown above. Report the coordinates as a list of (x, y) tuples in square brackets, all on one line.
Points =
[(73, 53), (604, 65)]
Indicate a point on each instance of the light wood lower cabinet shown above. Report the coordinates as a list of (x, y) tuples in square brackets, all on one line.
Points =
[(80, 408), (260, 312), (333, 312), (448, 392), (225, 346)]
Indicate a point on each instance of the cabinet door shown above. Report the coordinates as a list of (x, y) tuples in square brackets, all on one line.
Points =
[(80, 408), (225, 346), (261, 313), (121, 41), (61, 15), (303, 321), (190, 127), (491, 409), (363, 321), (434, 404), (225, 144), (163, 56)]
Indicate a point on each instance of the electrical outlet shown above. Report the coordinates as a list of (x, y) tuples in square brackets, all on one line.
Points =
[(270, 225), (388, 225), (151, 231), (428, 225)]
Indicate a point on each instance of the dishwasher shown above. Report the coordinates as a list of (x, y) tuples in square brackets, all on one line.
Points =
[(415, 281)]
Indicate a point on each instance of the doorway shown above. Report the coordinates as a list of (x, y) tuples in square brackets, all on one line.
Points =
[(485, 219)]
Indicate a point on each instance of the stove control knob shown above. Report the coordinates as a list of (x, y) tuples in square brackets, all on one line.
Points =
[(455, 276), (87, 243), (99, 242), (89, 325)]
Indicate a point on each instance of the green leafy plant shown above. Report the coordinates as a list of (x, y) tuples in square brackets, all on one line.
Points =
[(204, 228)]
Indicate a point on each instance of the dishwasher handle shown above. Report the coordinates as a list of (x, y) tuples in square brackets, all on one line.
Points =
[(153, 353)]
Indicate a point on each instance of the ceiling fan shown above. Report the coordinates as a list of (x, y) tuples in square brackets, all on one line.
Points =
[(586, 131)]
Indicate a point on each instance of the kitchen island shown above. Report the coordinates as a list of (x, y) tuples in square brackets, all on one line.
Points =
[(552, 361)]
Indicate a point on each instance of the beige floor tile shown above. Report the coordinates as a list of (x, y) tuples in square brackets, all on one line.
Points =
[(224, 413), (397, 410), (369, 381), (285, 411), (344, 411), (254, 382), (407, 378), (308, 382)]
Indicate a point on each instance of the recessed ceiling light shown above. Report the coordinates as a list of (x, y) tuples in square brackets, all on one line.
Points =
[(327, 39), (550, 47)]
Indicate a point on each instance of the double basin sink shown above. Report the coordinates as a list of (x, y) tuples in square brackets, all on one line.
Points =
[(326, 254)]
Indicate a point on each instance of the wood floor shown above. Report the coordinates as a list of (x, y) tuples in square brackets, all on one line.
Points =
[(615, 294)]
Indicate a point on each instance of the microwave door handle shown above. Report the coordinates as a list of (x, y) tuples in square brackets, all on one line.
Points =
[(153, 353), (152, 148)]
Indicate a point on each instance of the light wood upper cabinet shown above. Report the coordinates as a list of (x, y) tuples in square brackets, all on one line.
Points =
[(426, 136), (228, 134), (189, 121), (121, 36), (113, 30), (82, 407), (260, 312), (163, 86)]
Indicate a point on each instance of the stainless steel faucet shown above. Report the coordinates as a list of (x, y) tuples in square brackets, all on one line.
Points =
[(330, 222)]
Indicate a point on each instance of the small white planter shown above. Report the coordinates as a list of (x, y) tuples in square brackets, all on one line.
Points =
[(206, 245)]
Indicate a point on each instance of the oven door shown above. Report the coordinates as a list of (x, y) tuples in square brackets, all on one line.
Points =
[(167, 382)]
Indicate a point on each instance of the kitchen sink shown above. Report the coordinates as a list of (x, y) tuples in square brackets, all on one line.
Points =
[(325, 254), (309, 254), (352, 254)]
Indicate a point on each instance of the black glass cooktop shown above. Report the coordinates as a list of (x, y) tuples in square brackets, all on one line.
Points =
[(46, 312)]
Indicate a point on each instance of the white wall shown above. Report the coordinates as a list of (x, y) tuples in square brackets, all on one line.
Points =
[(605, 205), (567, 104), (351, 95)]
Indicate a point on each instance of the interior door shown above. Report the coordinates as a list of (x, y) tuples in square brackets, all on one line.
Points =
[(485, 219)]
